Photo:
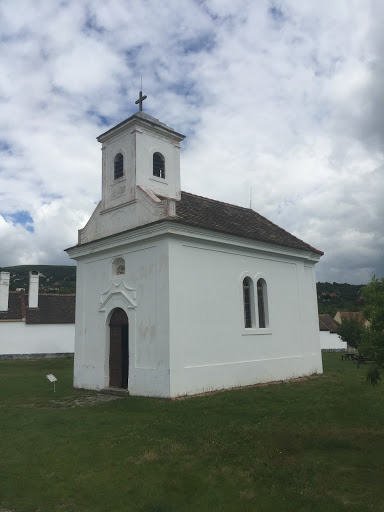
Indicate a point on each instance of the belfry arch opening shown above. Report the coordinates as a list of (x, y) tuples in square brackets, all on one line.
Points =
[(118, 349)]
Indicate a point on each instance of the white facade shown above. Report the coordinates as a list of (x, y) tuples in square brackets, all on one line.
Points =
[(19, 338), (182, 293), (26, 329), (331, 341), (182, 288)]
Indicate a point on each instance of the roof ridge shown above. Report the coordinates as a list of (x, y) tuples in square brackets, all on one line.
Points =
[(220, 202)]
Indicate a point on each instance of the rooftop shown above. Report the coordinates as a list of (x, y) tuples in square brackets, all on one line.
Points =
[(53, 309), (214, 215)]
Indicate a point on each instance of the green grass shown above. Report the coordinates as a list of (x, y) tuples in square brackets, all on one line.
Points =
[(315, 445)]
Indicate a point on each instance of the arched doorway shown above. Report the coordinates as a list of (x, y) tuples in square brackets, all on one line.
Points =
[(118, 349)]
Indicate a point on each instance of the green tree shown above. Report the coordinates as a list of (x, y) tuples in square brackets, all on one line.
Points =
[(351, 330), (372, 340)]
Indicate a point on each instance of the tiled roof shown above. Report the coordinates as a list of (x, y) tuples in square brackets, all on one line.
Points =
[(227, 218), (327, 323), (15, 309), (53, 309), (358, 315)]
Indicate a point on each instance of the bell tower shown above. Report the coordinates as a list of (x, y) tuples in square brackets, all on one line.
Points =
[(140, 151)]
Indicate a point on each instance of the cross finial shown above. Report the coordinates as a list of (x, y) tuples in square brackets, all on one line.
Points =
[(140, 101)]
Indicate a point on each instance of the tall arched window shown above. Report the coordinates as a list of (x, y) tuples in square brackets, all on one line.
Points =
[(262, 303), (118, 166), (158, 165), (248, 301)]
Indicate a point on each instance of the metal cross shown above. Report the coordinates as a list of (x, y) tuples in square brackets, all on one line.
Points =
[(140, 101)]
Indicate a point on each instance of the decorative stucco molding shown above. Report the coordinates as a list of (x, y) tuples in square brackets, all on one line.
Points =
[(118, 288)]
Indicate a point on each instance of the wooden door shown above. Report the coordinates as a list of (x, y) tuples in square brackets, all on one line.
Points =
[(118, 352)]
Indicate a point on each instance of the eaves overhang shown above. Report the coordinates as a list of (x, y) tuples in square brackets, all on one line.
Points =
[(145, 121), (163, 228)]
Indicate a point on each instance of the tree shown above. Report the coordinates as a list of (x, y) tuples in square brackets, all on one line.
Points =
[(351, 330), (372, 340)]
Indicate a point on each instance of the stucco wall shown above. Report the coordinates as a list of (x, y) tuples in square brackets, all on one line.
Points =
[(210, 347), (146, 146), (145, 284), (19, 338), (184, 300), (331, 341)]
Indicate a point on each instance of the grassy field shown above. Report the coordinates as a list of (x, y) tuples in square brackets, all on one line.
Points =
[(314, 445)]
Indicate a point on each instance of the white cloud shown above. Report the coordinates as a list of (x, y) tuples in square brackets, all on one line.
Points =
[(284, 97)]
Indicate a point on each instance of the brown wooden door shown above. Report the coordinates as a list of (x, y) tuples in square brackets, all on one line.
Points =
[(115, 357), (118, 352)]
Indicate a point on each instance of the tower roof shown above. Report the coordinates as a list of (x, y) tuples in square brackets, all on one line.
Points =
[(143, 118)]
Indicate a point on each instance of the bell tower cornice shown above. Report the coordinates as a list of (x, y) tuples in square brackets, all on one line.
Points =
[(146, 122)]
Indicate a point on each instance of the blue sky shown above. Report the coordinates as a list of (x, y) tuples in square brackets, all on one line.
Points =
[(281, 97)]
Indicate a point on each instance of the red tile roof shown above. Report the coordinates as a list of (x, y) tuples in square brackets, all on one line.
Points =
[(358, 315)]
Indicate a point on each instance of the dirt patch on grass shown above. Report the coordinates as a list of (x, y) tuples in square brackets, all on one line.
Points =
[(85, 400), (70, 402)]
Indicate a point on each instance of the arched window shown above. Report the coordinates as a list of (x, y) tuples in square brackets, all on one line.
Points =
[(249, 319), (118, 166), (118, 267), (262, 303), (158, 165)]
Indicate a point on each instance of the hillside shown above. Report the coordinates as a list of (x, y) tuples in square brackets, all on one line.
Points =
[(333, 297), (53, 278)]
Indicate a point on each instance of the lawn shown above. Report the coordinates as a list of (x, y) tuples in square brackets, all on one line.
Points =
[(313, 445)]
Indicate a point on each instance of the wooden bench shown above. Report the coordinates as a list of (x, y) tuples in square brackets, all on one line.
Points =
[(347, 356), (363, 360)]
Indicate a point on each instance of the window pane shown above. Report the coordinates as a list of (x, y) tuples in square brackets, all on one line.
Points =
[(119, 166), (158, 165), (247, 304), (260, 303)]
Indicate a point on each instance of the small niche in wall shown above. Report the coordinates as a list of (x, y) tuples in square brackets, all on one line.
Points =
[(118, 267)]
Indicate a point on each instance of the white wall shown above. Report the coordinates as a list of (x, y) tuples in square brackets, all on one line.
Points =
[(143, 294), (184, 300), (331, 341), (20, 338), (210, 348), (140, 212), (146, 146)]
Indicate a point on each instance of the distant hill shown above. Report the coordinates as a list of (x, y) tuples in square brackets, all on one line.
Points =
[(331, 297), (53, 278)]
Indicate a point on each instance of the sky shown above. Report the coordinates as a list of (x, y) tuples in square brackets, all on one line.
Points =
[(281, 102)]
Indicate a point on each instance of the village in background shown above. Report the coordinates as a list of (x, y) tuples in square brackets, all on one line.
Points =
[(331, 297)]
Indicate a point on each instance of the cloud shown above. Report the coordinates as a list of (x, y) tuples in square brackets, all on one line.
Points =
[(283, 98)]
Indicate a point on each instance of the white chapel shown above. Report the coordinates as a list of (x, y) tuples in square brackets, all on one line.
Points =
[(179, 294)]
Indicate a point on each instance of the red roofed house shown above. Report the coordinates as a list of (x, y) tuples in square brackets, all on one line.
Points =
[(33, 324), (180, 294), (358, 315)]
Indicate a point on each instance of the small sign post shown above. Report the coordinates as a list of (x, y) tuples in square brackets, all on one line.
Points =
[(53, 379)]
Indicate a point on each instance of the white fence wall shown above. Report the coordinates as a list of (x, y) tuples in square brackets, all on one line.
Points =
[(331, 341), (20, 338)]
